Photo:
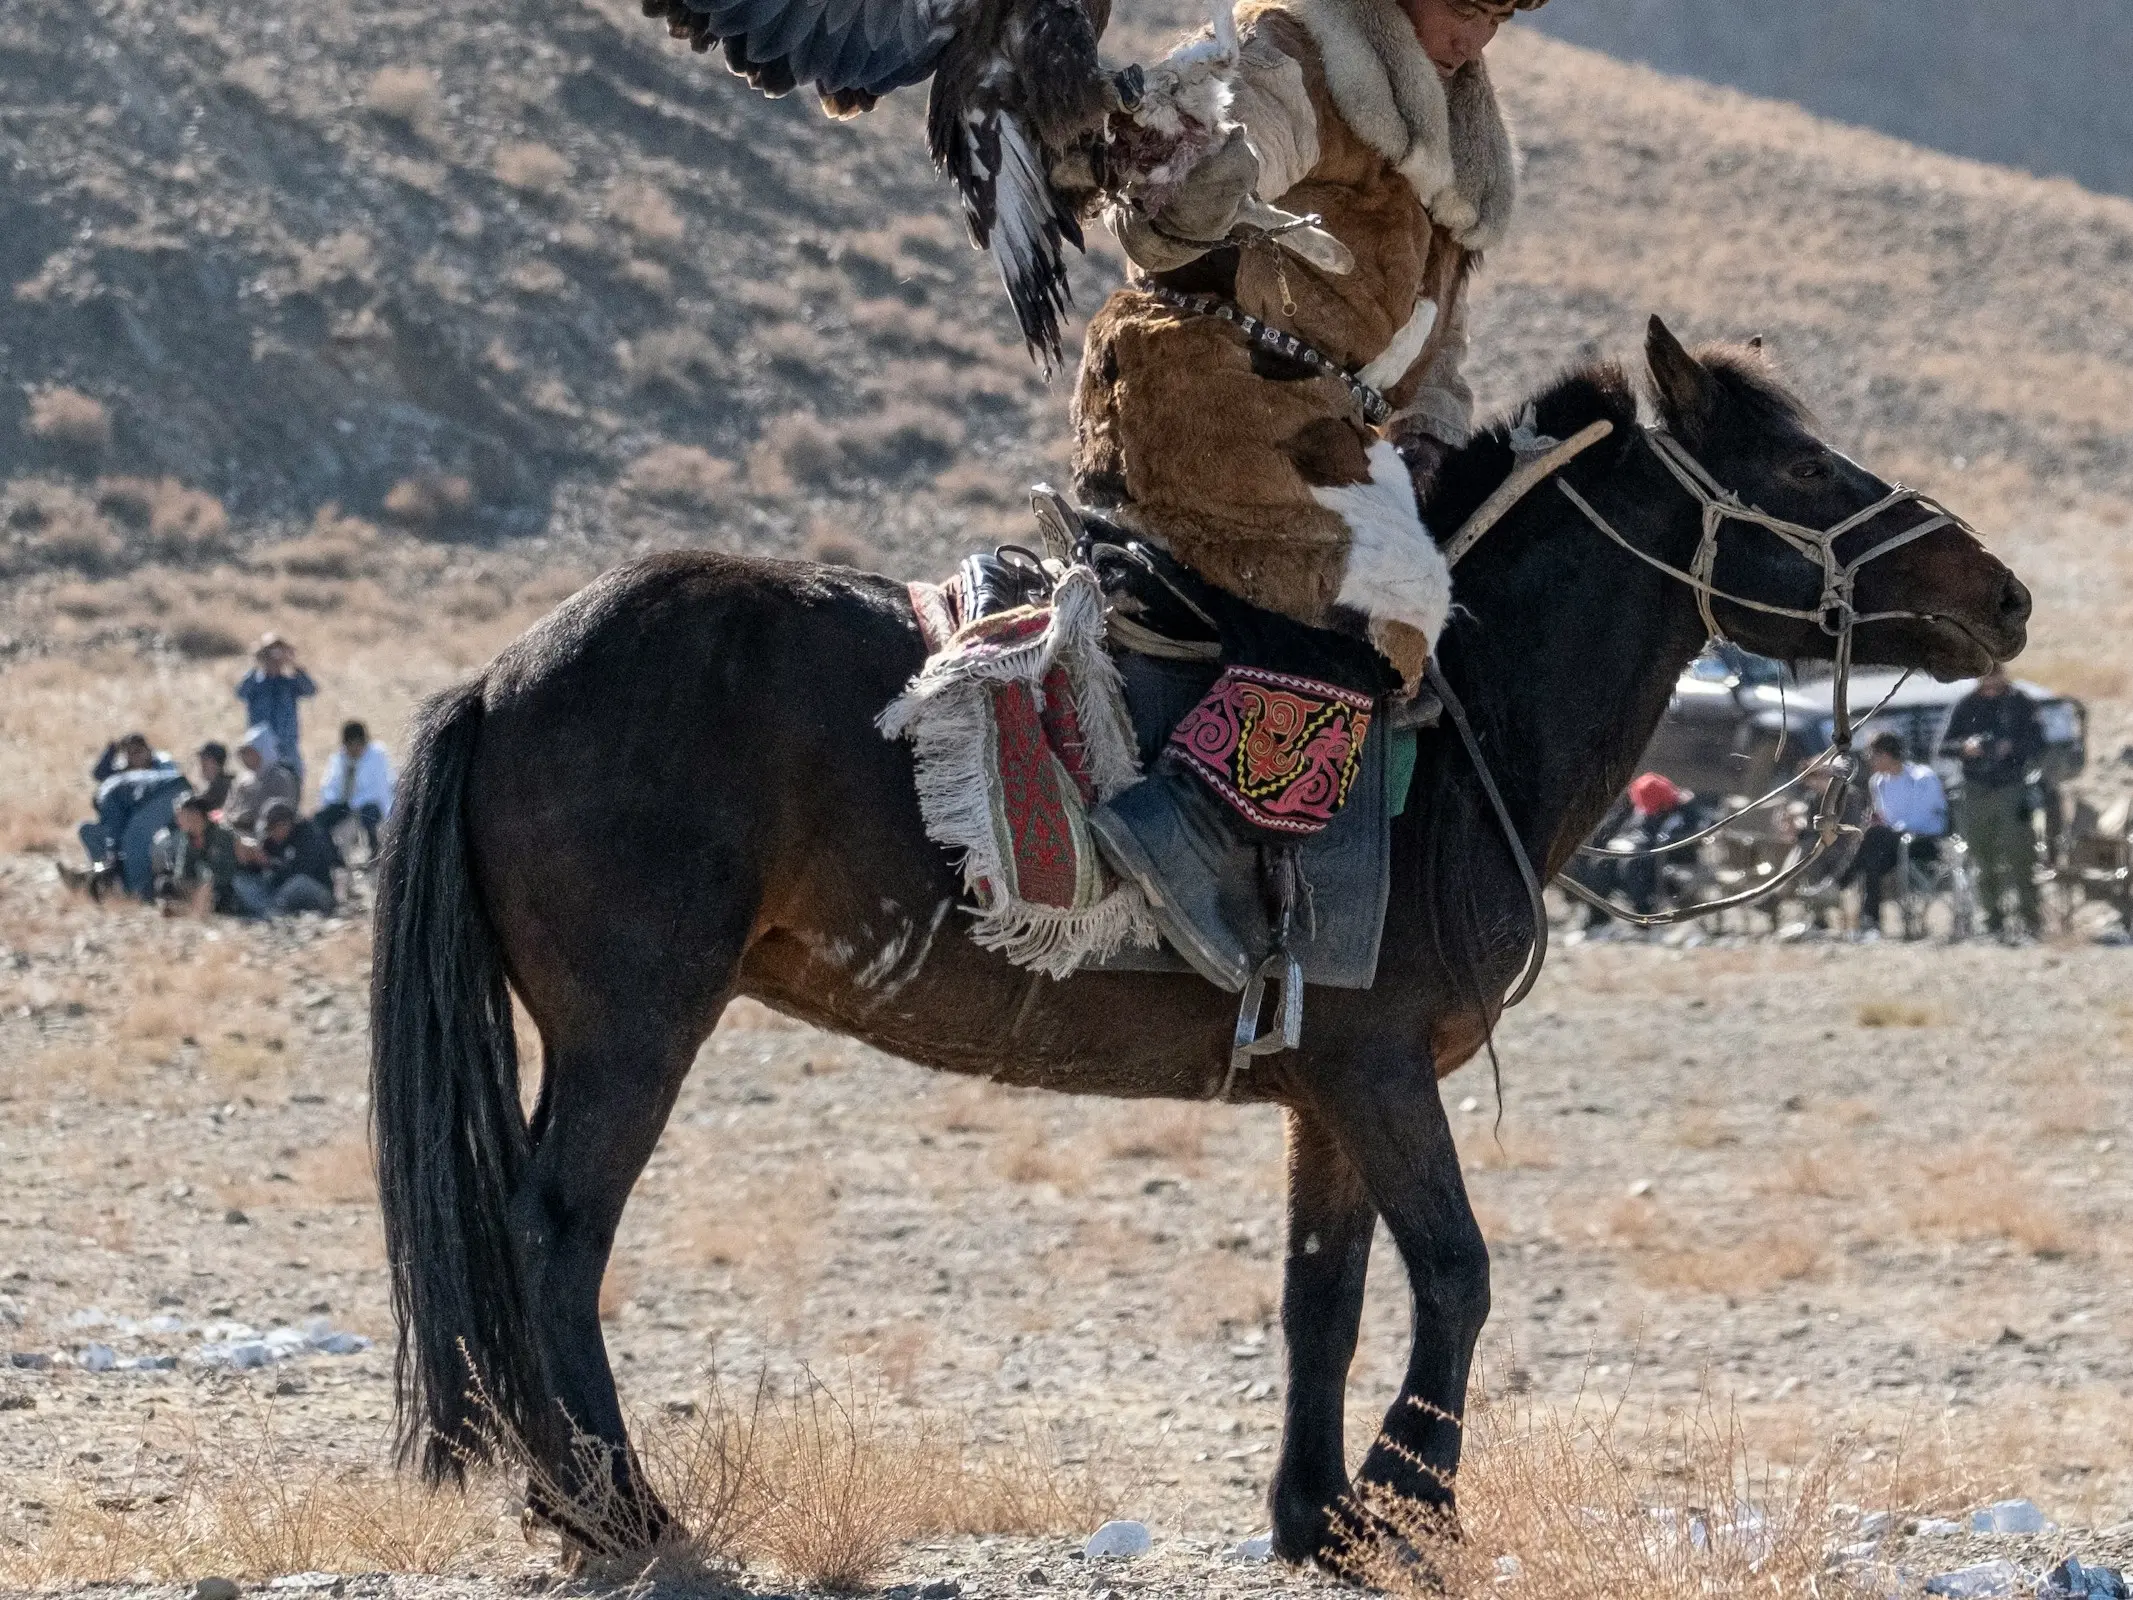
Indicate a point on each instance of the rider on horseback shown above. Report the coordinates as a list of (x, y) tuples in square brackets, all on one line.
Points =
[(1271, 422)]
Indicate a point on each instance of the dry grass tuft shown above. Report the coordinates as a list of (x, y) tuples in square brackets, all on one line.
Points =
[(69, 417), (430, 502), (1896, 1014), (684, 476), (646, 211), (207, 638), (1974, 1192), (1571, 1505), (836, 545), (254, 1511), (403, 94), (181, 524), (531, 167)]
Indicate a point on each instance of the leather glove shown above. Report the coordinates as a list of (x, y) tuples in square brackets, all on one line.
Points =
[(1196, 216)]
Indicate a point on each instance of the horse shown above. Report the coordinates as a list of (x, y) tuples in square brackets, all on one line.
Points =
[(732, 824)]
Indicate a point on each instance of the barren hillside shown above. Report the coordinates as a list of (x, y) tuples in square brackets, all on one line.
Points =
[(2039, 86)]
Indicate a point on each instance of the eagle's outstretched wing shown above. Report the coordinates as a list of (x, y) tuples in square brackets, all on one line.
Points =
[(1016, 83)]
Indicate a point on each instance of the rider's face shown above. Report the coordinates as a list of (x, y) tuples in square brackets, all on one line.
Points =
[(1455, 32)]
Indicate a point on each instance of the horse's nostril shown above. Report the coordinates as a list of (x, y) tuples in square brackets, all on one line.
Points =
[(2014, 602)]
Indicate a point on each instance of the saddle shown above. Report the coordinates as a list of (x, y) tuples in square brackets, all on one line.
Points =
[(1169, 634)]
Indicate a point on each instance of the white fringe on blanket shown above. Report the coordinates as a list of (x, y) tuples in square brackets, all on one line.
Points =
[(946, 714)]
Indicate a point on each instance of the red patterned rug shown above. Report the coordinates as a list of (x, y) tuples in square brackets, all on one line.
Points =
[(1018, 726)]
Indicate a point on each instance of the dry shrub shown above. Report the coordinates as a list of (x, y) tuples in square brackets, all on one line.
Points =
[(200, 637), (903, 441), (531, 167), (851, 1483), (685, 476), (1515, 1149), (340, 1173), (69, 417), (795, 450), (181, 524), (1175, 1133), (1756, 1265), (338, 546), (646, 211), (88, 602), (403, 94), (1573, 1505), (254, 1511), (429, 502), (538, 277), (1974, 1192), (647, 275), (1896, 1014), (71, 533), (835, 545), (670, 358), (1032, 1155)]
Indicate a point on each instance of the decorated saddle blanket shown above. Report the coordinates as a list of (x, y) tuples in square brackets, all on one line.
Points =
[(1022, 720), (1018, 728)]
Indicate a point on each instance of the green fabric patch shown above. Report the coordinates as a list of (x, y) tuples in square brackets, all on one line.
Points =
[(1400, 767)]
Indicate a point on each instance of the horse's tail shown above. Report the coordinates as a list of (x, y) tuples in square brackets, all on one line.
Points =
[(451, 1143)]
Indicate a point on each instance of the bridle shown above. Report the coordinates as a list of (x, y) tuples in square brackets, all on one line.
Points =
[(1834, 612)]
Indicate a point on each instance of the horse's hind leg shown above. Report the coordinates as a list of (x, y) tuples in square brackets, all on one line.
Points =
[(1330, 1226), (604, 1101)]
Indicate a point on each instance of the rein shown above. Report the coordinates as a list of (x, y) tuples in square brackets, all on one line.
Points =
[(1834, 613)]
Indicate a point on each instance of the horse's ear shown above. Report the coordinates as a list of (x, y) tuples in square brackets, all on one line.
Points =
[(1680, 383), (1755, 343)]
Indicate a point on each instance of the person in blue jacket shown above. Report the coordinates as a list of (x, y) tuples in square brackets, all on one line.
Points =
[(270, 692)]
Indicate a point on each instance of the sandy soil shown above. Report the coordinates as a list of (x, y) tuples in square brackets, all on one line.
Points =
[(1873, 1192)]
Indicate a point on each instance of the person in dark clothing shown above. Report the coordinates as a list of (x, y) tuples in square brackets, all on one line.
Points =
[(197, 868), (136, 785), (1908, 802), (270, 692), (215, 775), (1656, 811), (289, 869), (1996, 734)]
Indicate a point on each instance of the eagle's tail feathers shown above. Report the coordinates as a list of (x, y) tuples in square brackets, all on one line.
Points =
[(1031, 221)]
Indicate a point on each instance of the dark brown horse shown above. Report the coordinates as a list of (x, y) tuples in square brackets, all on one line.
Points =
[(730, 823)]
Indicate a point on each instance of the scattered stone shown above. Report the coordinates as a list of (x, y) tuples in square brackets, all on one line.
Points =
[(1259, 1547), (309, 1583), (236, 1218), (1509, 1567), (1121, 1539), (940, 1589), (1985, 1581), (214, 1589), (30, 1361), (2071, 1580), (1037, 1578), (1936, 1528), (1876, 1525), (98, 1358), (2011, 1516)]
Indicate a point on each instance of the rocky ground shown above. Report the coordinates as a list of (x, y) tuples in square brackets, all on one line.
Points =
[(1869, 1195)]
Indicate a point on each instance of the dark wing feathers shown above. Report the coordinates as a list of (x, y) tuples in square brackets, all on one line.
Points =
[(848, 49), (1015, 83)]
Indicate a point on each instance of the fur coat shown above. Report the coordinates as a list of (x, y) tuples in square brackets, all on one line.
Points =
[(1259, 473)]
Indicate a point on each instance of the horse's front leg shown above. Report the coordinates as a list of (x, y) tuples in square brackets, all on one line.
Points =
[(1383, 1109), (1330, 1225)]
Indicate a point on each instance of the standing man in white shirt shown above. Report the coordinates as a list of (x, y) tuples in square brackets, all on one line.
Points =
[(1908, 799), (359, 783)]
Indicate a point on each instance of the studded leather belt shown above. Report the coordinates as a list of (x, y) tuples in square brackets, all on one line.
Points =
[(1376, 409)]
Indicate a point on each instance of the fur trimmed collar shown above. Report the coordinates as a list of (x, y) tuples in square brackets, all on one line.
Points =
[(1448, 140)]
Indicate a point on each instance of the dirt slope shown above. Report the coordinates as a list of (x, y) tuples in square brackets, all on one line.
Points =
[(2036, 86)]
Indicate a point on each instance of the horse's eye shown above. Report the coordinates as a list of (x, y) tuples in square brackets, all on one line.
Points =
[(1809, 470)]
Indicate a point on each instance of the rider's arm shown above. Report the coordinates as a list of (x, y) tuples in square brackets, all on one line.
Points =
[(1434, 399)]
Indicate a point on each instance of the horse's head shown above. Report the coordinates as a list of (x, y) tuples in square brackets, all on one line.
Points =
[(1939, 601)]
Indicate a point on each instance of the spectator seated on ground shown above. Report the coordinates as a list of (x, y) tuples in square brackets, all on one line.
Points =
[(288, 868), (1656, 812), (213, 786), (196, 862), (270, 692), (263, 780), (359, 783), (136, 786), (1908, 799)]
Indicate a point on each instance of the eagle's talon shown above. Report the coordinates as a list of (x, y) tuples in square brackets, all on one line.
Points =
[(1132, 85)]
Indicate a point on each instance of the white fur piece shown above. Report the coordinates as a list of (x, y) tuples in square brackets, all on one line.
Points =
[(1393, 361), (1395, 572)]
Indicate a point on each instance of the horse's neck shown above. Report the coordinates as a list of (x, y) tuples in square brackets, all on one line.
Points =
[(1575, 662)]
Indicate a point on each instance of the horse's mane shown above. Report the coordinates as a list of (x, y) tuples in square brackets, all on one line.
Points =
[(1472, 473)]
